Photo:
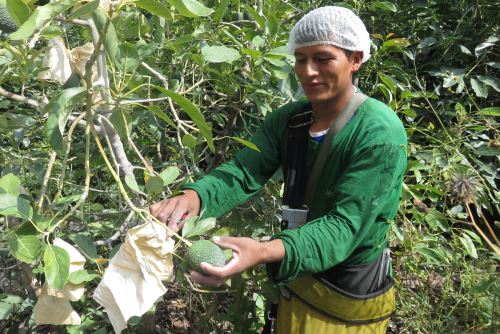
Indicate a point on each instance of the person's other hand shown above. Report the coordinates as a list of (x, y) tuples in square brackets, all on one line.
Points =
[(174, 211), (247, 253)]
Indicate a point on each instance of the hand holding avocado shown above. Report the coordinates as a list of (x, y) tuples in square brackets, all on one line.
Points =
[(247, 253)]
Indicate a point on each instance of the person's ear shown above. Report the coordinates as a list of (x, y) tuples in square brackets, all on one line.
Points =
[(356, 60)]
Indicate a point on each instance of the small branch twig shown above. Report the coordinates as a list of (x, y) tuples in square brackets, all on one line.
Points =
[(478, 229), (45, 183), (21, 98), (121, 231)]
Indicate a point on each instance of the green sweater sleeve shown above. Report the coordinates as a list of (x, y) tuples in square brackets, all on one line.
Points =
[(237, 180), (367, 190)]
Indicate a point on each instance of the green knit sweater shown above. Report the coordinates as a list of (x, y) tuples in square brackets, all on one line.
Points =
[(357, 193)]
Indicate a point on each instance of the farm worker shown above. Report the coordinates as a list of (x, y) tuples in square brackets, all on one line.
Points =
[(332, 267)]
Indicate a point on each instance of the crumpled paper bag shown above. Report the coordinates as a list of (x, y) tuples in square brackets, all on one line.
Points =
[(57, 59), (52, 306), (132, 282)]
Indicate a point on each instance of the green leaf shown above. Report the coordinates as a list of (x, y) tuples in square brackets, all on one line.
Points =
[(479, 88), (111, 39), (160, 114), (220, 54), (189, 141), (469, 245), (86, 245), (385, 5), (221, 10), (193, 113), (132, 184), (155, 7), (5, 310), (10, 184), (401, 42), (169, 175), (81, 276), (121, 122), (58, 110), (426, 42), (56, 261), (193, 226), (25, 248), (246, 143), (11, 299), (272, 24), (190, 8), (437, 220), (41, 16), (18, 11), (86, 9), (11, 205), (492, 111), (256, 16), (490, 81), (129, 57), (154, 185)]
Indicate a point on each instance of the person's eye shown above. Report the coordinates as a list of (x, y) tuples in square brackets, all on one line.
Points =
[(300, 60), (325, 60)]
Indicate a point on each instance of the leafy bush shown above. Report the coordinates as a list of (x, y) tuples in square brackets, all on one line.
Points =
[(180, 87)]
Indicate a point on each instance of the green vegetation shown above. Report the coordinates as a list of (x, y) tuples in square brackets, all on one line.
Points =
[(204, 251), (180, 88)]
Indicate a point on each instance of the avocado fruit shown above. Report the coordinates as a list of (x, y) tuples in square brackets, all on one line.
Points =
[(204, 251)]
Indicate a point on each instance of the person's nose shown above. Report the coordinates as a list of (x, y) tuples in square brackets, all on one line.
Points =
[(309, 69)]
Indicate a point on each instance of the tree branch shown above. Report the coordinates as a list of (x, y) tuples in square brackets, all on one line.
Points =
[(21, 98)]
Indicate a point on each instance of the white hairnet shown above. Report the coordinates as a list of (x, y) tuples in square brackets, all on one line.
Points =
[(331, 25)]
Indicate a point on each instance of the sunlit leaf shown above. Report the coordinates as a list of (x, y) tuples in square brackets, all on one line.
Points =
[(468, 245), (56, 262), (40, 16), (384, 5), (193, 226), (155, 7), (15, 206), (25, 248), (111, 43), (246, 143), (490, 81), (18, 11), (190, 8), (220, 54), (160, 114), (492, 111), (129, 57), (86, 9), (169, 175), (479, 88), (132, 184), (58, 110), (220, 10), (10, 184), (81, 276), (189, 141)]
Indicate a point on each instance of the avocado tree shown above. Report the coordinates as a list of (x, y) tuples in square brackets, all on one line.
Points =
[(107, 106)]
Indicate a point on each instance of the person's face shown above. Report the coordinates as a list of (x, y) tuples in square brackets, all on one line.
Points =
[(325, 71)]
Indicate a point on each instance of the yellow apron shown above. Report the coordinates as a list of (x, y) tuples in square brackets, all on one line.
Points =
[(311, 307)]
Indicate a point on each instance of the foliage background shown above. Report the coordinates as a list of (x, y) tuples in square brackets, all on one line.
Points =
[(220, 72)]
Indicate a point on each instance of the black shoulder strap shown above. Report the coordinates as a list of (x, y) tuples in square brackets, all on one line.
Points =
[(295, 168)]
